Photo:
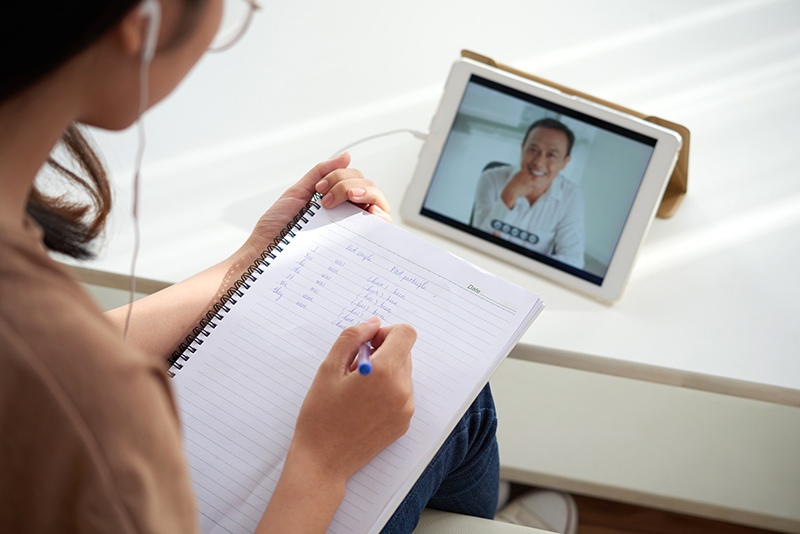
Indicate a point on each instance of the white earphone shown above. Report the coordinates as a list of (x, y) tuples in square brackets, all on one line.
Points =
[(152, 10)]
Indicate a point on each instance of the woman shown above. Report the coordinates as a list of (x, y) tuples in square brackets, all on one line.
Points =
[(89, 434)]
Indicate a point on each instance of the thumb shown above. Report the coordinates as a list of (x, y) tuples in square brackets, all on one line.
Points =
[(346, 345)]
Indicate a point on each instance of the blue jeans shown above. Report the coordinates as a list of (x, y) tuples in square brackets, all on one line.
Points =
[(463, 476)]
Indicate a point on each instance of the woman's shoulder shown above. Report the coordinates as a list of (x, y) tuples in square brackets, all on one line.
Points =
[(81, 413), (56, 338), (49, 317)]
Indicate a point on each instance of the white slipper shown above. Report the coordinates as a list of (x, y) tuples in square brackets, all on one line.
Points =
[(555, 511)]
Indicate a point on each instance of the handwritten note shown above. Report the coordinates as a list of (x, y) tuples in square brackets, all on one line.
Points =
[(242, 388)]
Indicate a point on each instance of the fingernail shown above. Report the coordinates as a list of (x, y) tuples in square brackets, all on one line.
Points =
[(376, 209), (358, 192), (322, 186), (373, 319), (327, 200)]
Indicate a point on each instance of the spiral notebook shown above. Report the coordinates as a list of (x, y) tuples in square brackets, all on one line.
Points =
[(241, 379)]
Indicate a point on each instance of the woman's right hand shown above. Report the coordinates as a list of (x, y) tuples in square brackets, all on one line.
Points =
[(346, 419)]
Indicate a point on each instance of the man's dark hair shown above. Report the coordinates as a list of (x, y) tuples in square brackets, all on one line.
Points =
[(553, 125)]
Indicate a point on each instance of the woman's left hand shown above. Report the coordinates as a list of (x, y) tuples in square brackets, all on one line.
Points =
[(161, 320), (335, 182)]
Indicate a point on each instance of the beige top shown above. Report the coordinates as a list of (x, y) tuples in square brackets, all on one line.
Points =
[(89, 432)]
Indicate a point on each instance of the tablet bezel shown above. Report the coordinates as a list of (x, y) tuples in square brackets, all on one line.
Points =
[(640, 216)]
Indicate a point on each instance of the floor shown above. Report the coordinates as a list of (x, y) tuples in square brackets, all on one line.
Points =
[(598, 516)]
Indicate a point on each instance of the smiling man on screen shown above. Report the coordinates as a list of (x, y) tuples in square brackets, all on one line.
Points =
[(533, 205)]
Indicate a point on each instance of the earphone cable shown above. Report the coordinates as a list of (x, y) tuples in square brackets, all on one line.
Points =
[(143, 95)]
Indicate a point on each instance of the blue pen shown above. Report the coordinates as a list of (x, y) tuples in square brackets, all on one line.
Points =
[(364, 352)]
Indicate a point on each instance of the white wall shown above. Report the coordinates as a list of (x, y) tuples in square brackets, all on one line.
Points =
[(312, 76), (315, 66)]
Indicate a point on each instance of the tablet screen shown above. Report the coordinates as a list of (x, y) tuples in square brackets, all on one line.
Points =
[(537, 178)]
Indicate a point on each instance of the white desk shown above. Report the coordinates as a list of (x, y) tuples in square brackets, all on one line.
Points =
[(711, 303)]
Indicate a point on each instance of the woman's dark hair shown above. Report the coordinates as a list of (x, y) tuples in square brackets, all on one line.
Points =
[(37, 38), (63, 217)]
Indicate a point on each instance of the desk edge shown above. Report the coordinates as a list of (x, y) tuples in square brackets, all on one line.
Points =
[(657, 374)]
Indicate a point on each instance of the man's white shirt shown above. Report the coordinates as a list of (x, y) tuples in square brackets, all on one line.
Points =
[(554, 225)]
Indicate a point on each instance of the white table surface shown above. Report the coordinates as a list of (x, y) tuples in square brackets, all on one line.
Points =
[(711, 303)]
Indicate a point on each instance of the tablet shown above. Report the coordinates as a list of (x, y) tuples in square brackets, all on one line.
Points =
[(550, 182)]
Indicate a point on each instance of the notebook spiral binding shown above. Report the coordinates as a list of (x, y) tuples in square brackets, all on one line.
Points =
[(222, 306)]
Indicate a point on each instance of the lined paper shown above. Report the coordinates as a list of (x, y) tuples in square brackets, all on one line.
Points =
[(242, 387)]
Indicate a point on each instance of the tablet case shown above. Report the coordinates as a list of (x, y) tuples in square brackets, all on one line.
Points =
[(676, 187)]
